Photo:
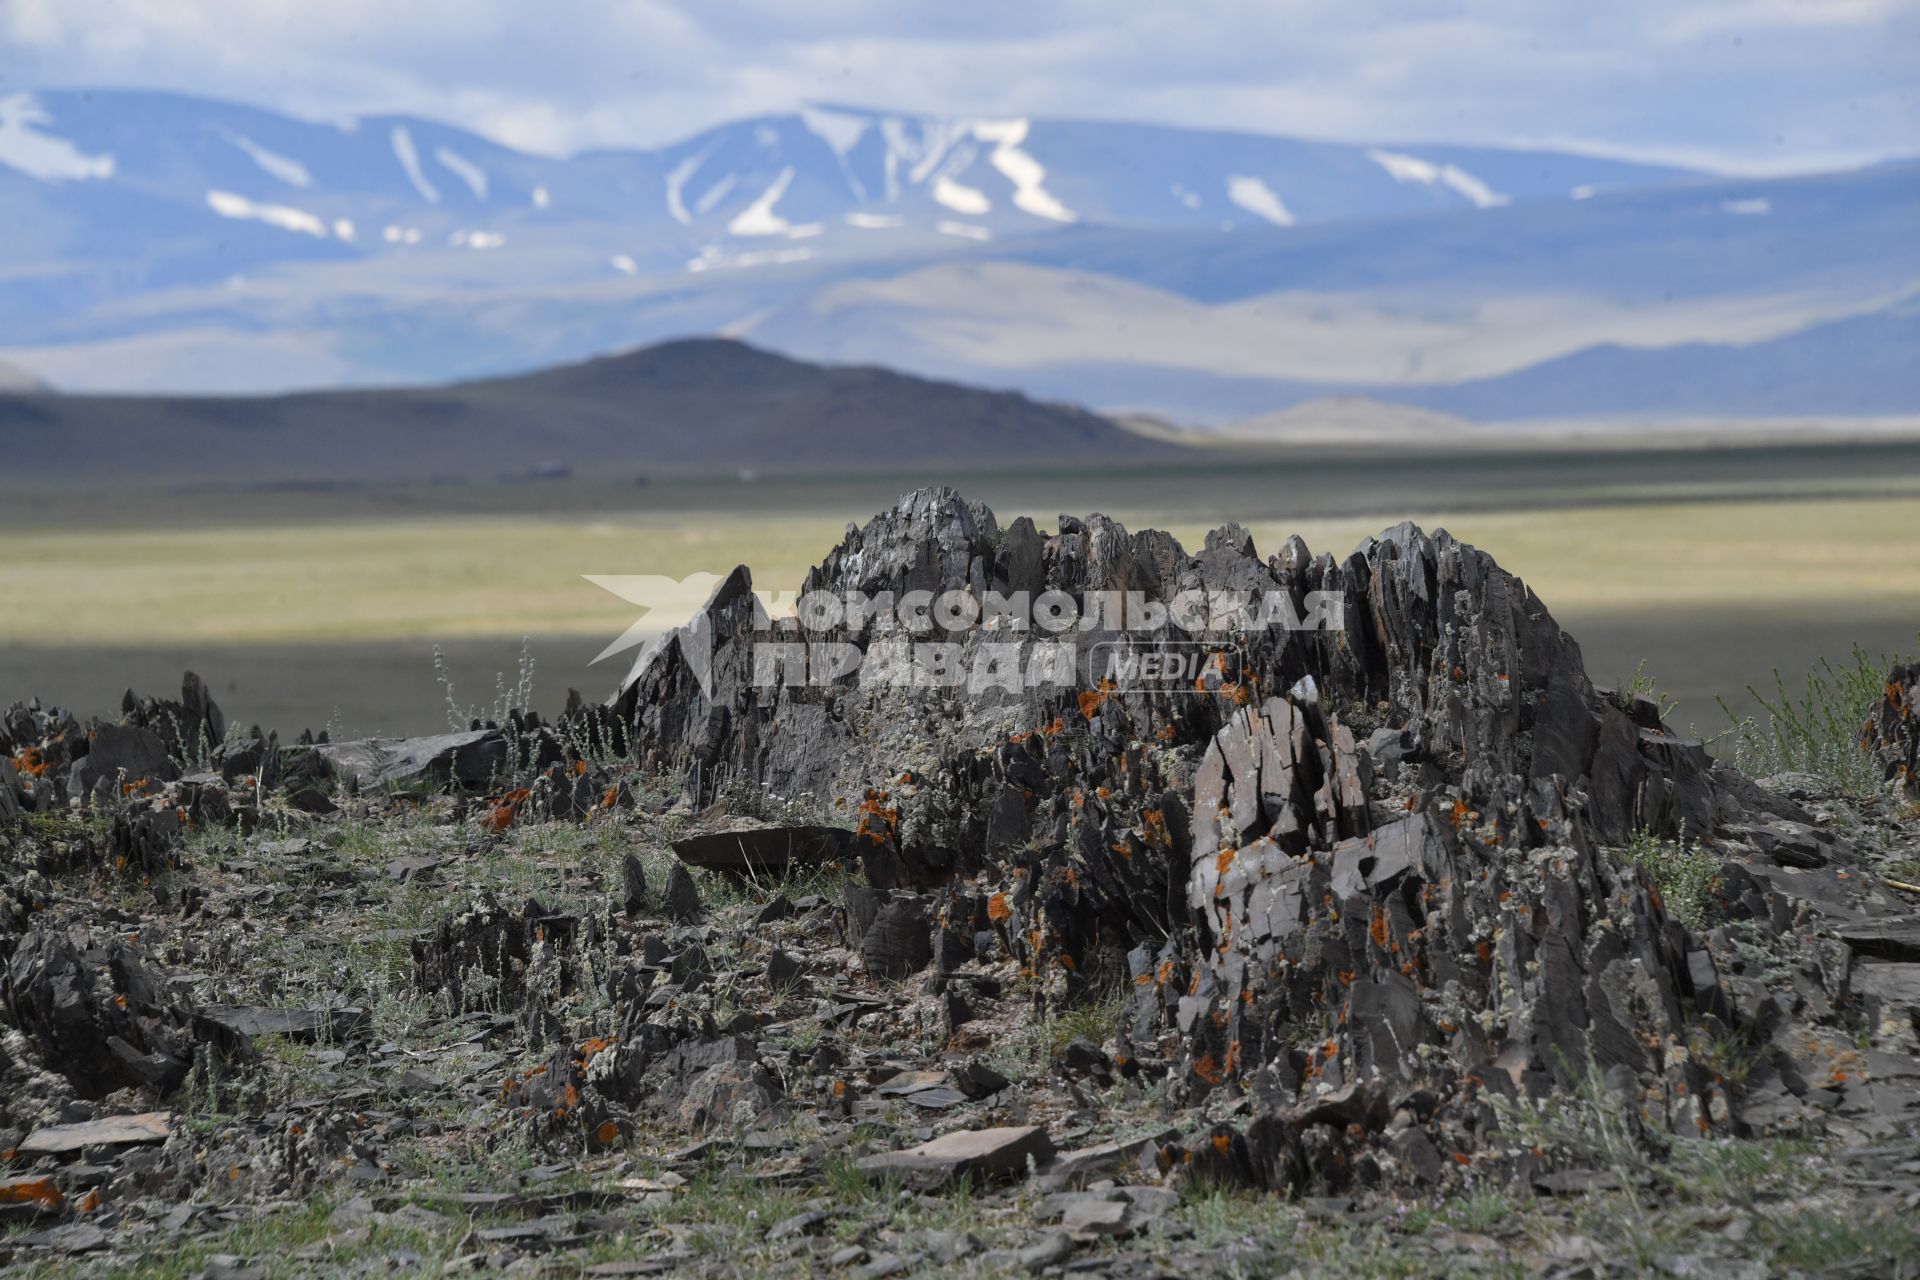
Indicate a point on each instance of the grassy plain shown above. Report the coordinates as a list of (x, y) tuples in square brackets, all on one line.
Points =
[(1715, 566)]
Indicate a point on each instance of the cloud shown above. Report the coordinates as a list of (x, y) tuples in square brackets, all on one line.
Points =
[(1754, 84)]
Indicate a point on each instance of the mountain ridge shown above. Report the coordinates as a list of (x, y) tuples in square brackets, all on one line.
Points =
[(167, 243)]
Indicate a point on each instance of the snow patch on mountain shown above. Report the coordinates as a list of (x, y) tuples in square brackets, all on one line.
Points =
[(541, 198), (930, 152), (758, 218), (1020, 168), (874, 221), (713, 256), (1257, 197), (275, 165), (965, 230), (343, 228), (466, 170), (1482, 195), (899, 147), (42, 155), (625, 265), (961, 199), (1747, 208), (677, 185), (842, 133), (409, 158), (476, 239), (287, 218), (714, 194), (1405, 168)]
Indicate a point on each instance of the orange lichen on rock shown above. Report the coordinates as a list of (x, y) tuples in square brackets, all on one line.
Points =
[(506, 809), (40, 1191), (597, 1045), (998, 909), (1153, 824), (878, 820)]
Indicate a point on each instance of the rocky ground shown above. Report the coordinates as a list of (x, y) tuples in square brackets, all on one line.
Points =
[(1443, 962)]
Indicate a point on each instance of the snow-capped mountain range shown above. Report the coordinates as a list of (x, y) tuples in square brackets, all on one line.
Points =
[(164, 242)]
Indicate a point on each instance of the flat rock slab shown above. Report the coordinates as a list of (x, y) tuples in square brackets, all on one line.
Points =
[(111, 1131), (970, 1153), (911, 1082), (468, 759), (1110, 1158), (295, 1024), (1887, 938), (764, 849), (1088, 1218)]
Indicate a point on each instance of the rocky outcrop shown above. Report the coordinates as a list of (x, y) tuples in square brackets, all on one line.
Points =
[(1368, 856), (103, 1019)]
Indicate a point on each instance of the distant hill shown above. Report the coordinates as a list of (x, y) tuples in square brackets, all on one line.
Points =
[(694, 405), (1860, 366)]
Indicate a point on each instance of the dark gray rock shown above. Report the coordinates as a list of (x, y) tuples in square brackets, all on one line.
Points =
[(899, 942), (122, 753), (467, 760), (633, 886), (764, 850), (785, 973), (682, 900)]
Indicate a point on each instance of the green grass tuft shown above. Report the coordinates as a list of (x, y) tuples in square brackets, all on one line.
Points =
[(1817, 731)]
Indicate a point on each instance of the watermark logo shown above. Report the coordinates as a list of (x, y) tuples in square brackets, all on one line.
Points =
[(1186, 665), (978, 641)]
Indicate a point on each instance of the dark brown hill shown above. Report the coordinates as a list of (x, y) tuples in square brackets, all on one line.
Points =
[(693, 405)]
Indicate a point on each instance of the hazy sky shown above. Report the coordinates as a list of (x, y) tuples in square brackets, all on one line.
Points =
[(1760, 85)]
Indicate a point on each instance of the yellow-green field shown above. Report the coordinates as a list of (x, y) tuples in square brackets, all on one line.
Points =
[(332, 612), (515, 575)]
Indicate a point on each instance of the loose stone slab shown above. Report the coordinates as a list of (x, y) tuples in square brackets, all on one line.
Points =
[(764, 849), (294, 1024), (969, 1153), (1109, 1158), (110, 1131), (1088, 1218)]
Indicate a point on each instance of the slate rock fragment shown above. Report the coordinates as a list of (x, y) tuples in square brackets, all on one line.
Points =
[(981, 1154), (633, 885), (682, 898)]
